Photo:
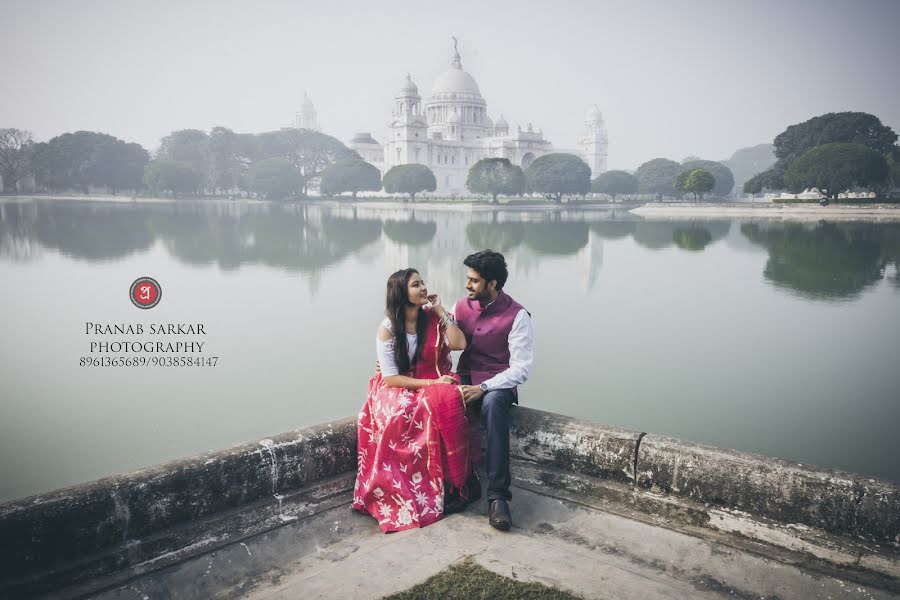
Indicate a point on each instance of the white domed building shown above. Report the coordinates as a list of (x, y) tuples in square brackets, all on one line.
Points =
[(451, 130)]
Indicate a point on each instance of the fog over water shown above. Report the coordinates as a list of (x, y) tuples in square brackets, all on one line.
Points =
[(700, 78)]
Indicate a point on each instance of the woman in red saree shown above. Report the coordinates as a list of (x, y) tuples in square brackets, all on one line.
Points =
[(412, 439)]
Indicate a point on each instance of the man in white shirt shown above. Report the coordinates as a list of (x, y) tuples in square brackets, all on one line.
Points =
[(498, 357)]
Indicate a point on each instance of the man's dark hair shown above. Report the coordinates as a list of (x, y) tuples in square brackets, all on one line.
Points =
[(490, 265)]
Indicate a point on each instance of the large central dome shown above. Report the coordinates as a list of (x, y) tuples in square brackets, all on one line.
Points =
[(454, 80)]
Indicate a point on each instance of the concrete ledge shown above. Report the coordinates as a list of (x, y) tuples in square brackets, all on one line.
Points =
[(98, 533), (837, 502), (572, 444), (84, 531)]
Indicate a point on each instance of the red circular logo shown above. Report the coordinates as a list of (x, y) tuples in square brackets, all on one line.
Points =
[(145, 292)]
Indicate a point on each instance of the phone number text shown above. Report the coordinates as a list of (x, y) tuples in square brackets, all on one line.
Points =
[(148, 361)]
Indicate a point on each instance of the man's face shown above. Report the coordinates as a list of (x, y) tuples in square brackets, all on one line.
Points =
[(478, 288)]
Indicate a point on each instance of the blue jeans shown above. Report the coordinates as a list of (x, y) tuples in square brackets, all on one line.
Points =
[(495, 407)]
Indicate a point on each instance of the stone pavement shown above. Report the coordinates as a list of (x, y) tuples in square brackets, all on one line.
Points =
[(340, 553)]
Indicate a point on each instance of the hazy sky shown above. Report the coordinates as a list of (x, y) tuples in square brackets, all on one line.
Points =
[(672, 79)]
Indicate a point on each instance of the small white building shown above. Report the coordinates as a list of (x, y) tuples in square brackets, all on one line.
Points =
[(450, 130)]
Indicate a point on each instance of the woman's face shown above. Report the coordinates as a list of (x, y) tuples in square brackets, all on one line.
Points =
[(418, 293)]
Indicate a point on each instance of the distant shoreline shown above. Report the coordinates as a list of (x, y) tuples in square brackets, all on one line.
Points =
[(767, 210), (682, 210)]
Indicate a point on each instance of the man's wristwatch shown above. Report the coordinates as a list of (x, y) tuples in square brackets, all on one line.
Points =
[(484, 388)]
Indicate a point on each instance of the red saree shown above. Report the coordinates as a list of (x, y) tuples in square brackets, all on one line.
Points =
[(410, 442)]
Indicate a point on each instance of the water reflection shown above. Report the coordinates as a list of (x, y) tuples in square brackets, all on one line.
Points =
[(501, 237), (819, 261), (412, 232), (826, 260)]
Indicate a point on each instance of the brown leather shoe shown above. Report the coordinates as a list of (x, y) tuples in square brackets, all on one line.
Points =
[(499, 516)]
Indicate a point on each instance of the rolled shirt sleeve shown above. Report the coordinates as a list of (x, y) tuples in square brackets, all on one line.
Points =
[(521, 354)]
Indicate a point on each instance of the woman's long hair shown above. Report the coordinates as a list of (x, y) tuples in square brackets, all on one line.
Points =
[(397, 301)]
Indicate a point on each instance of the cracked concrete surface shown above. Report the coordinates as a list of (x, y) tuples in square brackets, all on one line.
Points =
[(340, 553)]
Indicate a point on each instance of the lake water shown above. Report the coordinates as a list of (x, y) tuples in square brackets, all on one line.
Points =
[(765, 336)]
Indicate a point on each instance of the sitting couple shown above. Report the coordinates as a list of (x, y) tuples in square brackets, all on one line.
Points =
[(416, 458)]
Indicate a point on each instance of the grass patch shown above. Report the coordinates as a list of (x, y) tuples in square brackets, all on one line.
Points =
[(467, 580)]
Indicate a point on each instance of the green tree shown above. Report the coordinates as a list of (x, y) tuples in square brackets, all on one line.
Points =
[(350, 175), (15, 147), (835, 168), (116, 164), (657, 177), (558, 174), (86, 158), (189, 146), (170, 176), (226, 165), (767, 180), (311, 152), (720, 172), (844, 127), (695, 181), (614, 183), (495, 176), (747, 162), (409, 179), (275, 178)]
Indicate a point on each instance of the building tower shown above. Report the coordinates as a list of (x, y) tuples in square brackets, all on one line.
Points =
[(408, 143), (307, 118), (595, 145)]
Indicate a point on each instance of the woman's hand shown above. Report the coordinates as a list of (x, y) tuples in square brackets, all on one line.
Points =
[(445, 379)]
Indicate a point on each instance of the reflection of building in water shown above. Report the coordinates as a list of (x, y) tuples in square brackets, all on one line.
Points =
[(451, 130), (588, 262), (438, 260)]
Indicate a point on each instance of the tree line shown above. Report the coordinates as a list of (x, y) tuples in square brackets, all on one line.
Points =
[(834, 152), (291, 162), (189, 161)]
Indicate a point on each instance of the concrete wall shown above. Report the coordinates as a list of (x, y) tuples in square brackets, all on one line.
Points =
[(840, 503), (81, 532), (153, 517)]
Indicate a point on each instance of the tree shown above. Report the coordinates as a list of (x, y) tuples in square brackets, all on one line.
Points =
[(170, 176), (695, 181), (226, 165), (275, 178), (15, 146), (657, 177), (614, 183), (495, 176), (409, 179), (747, 162), (720, 172), (767, 180), (116, 164), (311, 152), (189, 146), (834, 168), (844, 127), (350, 175), (85, 158), (555, 175)]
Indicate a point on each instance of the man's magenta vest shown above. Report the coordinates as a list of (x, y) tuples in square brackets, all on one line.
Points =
[(487, 336)]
